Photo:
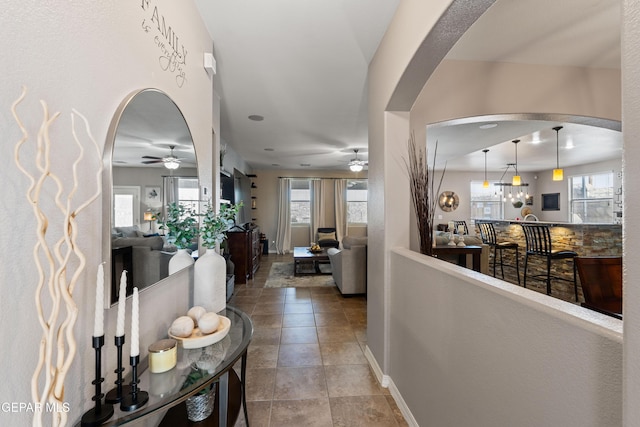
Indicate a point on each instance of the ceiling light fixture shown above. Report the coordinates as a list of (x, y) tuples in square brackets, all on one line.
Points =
[(171, 162), (485, 184), (356, 165), (516, 181), (558, 174)]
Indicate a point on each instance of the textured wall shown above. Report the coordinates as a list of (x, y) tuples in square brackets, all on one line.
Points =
[(87, 56)]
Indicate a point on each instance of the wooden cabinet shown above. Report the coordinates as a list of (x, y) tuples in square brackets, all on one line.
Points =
[(244, 248)]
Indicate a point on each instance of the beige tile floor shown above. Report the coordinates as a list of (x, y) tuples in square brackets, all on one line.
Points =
[(306, 364)]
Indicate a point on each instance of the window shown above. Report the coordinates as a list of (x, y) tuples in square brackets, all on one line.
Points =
[(357, 191), (126, 206), (592, 198), (189, 193), (300, 201), (485, 204)]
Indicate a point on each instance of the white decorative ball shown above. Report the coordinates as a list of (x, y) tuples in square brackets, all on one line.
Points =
[(182, 327), (196, 312), (209, 323)]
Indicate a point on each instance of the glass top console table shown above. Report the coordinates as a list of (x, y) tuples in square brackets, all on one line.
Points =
[(167, 391)]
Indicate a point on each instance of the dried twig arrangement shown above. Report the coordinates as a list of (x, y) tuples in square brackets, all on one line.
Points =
[(423, 194), (57, 345)]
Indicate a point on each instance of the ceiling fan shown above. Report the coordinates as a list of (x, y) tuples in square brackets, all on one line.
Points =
[(170, 161), (357, 165)]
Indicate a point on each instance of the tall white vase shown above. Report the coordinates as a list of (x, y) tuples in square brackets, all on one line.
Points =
[(210, 281), (180, 260)]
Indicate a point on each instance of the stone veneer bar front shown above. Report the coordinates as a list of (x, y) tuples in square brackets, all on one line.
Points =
[(585, 239)]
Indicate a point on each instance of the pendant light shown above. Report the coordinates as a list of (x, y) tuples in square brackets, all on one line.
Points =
[(485, 184), (516, 178), (558, 174)]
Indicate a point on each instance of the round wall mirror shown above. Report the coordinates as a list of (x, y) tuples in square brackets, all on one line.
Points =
[(150, 161), (448, 201)]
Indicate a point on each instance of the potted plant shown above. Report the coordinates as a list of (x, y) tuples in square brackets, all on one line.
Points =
[(200, 405), (210, 271), (183, 229), (213, 230), (181, 224)]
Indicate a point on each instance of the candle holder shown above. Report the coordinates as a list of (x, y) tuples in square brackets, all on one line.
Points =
[(99, 413), (135, 399), (115, 394)]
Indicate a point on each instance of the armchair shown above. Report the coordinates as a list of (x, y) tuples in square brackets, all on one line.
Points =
[(327, 238), (349, 265)]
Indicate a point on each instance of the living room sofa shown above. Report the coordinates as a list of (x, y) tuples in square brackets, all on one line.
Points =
[(349, 265), (150, 254)]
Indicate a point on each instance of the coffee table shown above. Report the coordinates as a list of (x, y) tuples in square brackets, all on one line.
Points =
[(302, 255)]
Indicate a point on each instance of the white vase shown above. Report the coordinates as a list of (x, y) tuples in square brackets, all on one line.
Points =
[(180, 260), (210, 281)]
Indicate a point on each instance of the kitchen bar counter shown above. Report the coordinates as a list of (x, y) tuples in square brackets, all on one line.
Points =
[(585, 239)]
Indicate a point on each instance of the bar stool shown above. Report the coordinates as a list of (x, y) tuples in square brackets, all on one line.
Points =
[(489, 237), (538, 240)]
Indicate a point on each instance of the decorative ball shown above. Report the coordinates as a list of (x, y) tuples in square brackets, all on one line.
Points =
[(182, 327), (196, 312), (209, 322)]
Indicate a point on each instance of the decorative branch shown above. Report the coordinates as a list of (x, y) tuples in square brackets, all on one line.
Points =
[(57, 345), (423, 193)]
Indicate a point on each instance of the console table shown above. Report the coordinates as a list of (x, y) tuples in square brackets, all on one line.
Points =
[(166, 392), (461, 252)]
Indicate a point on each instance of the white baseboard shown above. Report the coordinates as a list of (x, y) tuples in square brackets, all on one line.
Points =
[(386, 382), (382, 379)]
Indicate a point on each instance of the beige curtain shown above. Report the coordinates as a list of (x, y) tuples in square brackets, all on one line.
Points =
[(283, 234), (340, 196)]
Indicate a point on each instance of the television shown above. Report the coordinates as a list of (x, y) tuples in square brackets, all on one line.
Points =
[(551, 202)]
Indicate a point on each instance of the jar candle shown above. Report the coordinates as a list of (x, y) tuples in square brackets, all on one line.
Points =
[(163, 355)]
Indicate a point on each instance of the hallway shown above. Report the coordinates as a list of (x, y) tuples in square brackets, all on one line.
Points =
[(306, 363)]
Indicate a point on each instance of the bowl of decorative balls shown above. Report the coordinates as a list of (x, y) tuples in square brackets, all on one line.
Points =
[(315, 248), (199, 328)]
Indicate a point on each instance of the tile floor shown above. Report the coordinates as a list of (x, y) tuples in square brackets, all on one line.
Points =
[(306, 364)]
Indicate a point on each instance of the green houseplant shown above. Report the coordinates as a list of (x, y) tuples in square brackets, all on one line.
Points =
[(182, 225), (214, 227)]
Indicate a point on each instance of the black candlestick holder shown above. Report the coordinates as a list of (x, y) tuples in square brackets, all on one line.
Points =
[(115, 394), (135, 399), (99, 413)]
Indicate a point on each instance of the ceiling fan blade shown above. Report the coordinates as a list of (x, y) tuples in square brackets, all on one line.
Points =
[(148, 162), (152, 157)]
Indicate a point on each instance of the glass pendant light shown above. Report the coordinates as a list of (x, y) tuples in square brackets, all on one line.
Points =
[(558, 174), (516, 181), (485, 184)]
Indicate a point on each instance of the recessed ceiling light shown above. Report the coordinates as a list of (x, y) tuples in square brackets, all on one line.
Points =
[(488, 125), (256, 118), (269, 149)]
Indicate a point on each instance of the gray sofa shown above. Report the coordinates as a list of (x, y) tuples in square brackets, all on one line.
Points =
[(349, 265), (150, 255)]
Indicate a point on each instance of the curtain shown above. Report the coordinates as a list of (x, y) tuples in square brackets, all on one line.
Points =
[(283, 234), (170, 189), (340, 195), (317, 208)]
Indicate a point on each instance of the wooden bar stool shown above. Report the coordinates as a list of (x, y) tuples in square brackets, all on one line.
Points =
[(538, 240), (489, 237)]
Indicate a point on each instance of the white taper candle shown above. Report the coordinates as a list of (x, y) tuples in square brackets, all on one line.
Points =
[(135, 350), (98, 318), (122, 301)]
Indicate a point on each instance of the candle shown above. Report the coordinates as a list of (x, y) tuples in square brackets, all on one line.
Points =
[(135, 348), (122, 300), (98, 318), (461, 229), (451, 226)]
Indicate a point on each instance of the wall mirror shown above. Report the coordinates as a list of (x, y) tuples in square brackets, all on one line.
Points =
[(150, 161)]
